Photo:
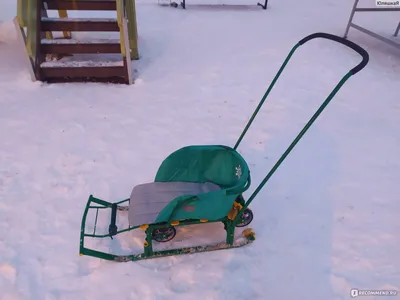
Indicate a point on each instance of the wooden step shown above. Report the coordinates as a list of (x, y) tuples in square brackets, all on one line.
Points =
[(79, 24), (81, 64), (84, 71), (71, 46), (81, 4)]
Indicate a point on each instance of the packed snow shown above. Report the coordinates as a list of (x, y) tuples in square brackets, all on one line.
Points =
[(326, 222)]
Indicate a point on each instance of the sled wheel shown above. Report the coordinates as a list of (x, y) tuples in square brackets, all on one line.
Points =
[(163, 235), (247, 217)]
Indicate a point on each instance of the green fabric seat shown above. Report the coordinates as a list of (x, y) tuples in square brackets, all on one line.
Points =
[(216, 164)]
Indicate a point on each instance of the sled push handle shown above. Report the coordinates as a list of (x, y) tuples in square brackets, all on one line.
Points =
[(350, 44), (353, 71)]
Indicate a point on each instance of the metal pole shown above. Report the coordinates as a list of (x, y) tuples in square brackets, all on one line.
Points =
[(265, 96), (298, 138), (350, 19), (397, 30)]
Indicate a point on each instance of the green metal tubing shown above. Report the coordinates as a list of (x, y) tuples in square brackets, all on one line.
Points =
[(104, 204), (302, 132), (297, 139), (108, 204), (108, 235), (98, 254), (83, 225), (266, 95), (122, 201), (100, 202), (148, 250), (91, 199), (153, 226), (98, 207)]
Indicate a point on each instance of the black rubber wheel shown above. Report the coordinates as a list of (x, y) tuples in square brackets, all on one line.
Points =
[(247, 217), (163, 235)]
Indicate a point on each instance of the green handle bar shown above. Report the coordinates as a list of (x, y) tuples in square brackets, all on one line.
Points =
[(356, 69)]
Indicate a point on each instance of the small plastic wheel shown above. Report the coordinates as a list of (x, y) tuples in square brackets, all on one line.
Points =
[(247, 217), (163, 235)]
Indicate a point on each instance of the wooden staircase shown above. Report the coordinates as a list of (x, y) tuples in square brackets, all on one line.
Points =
[(53, 58)]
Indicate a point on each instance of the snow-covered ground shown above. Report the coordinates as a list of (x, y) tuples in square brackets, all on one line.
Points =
[(328, 220)]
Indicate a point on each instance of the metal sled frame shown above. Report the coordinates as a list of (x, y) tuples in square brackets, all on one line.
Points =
[(94, 203), (235, 215)]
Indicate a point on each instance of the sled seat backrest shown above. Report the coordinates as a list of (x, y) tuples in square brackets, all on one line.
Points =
[(217, 164)]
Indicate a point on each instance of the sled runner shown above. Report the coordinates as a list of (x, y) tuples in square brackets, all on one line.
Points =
[(199, 184)]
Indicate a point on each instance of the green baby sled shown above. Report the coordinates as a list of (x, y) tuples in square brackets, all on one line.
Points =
[(196, 185)]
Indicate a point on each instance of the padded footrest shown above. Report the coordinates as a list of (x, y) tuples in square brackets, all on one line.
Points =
[(147, 200)]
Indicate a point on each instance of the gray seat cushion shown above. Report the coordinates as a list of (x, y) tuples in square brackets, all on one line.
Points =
[(148, 199)]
